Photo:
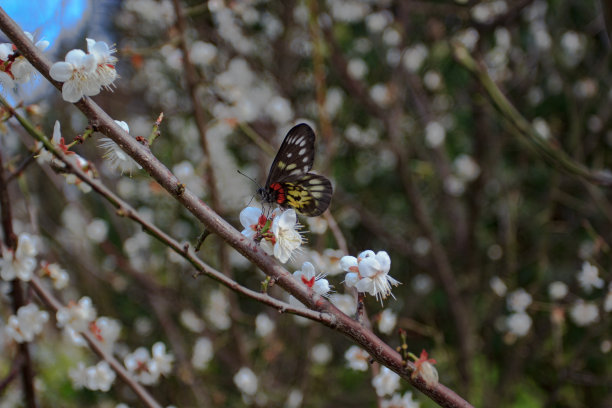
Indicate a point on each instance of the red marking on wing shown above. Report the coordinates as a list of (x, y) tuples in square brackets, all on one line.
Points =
[(280, 192)]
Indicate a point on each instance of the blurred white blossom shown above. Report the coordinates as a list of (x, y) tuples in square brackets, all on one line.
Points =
[(27, 323)]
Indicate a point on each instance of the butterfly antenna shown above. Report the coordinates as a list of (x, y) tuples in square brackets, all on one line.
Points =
[(251, 200), (253, 180)]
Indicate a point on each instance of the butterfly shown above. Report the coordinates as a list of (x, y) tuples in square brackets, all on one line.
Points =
[(289, 182)]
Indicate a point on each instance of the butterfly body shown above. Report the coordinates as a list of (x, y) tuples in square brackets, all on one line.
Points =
[(289, 182)]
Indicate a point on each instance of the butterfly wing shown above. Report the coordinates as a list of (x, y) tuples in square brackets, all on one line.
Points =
[(289, 183), (309, 195), (295, 157)]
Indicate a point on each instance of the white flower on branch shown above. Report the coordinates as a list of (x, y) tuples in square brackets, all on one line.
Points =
[(55, 272), (518, 300), (246, 381), (21, 263), (138, 364), (14, 67), (264, 326), (83, 74), (588, 277), (99, 377), (369, 273), (105, 62), (309, 277), (116, 158), (27, 323), (518, 323), (277, 235), (357, 358), (584, 313), (203, 352), (387, 321), (76, 318), (386, 382)]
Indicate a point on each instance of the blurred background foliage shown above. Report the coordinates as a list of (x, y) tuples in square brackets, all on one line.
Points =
[(423, 166)]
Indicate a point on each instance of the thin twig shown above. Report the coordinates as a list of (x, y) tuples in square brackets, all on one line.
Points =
[(21, 168)]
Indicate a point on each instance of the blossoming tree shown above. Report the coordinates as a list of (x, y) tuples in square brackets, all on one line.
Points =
[(467, 233)]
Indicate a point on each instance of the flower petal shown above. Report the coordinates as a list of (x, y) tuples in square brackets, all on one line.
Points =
[(369, 267), (71, 92), (384, 260), (61, 71), (321, 287), (308, 270), (287, 219), (366, 254), (57, 133), (75, 58), (347, 262), (351, 279), (249, 216), (366, 285)]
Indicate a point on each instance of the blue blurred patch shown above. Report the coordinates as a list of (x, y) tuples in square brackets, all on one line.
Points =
[(47, 19)]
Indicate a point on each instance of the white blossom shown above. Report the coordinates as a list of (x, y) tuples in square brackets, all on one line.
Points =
[(27, 323), (99, 377), (138, 363), (588, 277), (584, 313), (116, 158), (345, 302), (56, 273), (203, 352), (557, 290), (21, 263), (288, 239), (309, 277), (246, 381), (434, 134), (105, 62), (387, 321), (21, 69), (108, 331), (321, 353), (218, 310), (386, 382), (518, 323), (161, 362), (76, 316), (357, 358), (369, 273), (264, 325), (518, 300), (77, 73)]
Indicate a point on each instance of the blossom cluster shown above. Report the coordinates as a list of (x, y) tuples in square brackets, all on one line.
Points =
[(14, 67), (75, 319), (147, 367), (85, 73), (279, 235)]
